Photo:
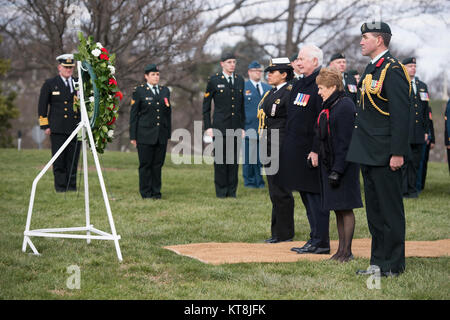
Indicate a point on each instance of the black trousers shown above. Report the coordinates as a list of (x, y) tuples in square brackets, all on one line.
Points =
[(318, 218), (282, 226), (410, 171), (385, 216), (151, 160), (226, 166), (66, 165)]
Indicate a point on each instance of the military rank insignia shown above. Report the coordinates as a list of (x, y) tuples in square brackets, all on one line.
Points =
[(302, 99), (352, 88), (424, 96), (166, 101)]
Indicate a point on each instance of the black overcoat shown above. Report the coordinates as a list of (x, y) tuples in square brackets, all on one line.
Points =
[(304, 106)]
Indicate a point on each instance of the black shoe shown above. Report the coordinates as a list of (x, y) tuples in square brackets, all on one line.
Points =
[(315, 250), (372, 269), (307, 245), (390, 274), (276, 240)]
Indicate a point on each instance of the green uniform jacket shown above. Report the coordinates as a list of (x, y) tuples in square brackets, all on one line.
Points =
[(229, 110), (420, 120), (150, 116), (380, 133)]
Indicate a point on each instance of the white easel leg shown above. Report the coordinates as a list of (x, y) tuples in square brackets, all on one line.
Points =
[(86, 183)]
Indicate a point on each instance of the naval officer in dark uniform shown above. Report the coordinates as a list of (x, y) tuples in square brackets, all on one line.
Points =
[(380, 143), (226, 89), (420, 127), (150, 128), (59, 121), (272, 116), (339, 63)]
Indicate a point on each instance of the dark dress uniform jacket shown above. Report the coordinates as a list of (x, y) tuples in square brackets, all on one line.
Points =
[(229, 111), (61, 118), (351, 87), (379, 134), (300, 137), (150, 116), (420, 118)]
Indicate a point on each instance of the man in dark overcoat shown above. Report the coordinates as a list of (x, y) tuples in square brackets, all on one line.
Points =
[(380, 142), (301, 146), (59, 121)]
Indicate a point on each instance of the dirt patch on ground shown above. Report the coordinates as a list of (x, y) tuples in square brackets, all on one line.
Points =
[(221, 253)]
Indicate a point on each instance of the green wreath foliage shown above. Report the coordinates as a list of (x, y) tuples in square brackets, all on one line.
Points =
[(109, 95)]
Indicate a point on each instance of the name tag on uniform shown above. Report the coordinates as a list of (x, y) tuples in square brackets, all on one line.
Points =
[(352, 88), (149, 98), (424, 96), (56, 93), (274, 109), (220, 86)]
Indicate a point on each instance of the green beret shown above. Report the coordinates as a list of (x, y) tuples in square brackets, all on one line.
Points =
[(352, 72), (375, 26), (409, 60), (337, 56), (151, 68)]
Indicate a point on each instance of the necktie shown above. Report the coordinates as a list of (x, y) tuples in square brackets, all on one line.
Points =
[(413, 83), (68, 85), (257, 89), (230, 81), (155, 89)]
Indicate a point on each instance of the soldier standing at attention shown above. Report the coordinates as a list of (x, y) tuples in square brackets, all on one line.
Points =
[(60, 121), (254, 91), (150, 128), (380, 143), (339, 63), (420, 127), (226, 89)]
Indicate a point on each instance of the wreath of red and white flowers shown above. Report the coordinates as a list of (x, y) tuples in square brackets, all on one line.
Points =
[(102, 63)]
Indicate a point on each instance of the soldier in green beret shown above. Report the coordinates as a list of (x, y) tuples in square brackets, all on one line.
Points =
[(226, 89), (420, 128), (339, 63), (380, 141), (150, 128)]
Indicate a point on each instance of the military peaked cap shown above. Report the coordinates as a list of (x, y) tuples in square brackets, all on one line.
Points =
[(279, 64), (66, 60)]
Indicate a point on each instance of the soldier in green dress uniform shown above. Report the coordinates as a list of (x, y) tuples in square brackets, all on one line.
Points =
[(226, 89), (380, 143), (150, 128)]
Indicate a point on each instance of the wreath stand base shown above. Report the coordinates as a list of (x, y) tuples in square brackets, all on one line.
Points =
[(91, 232)]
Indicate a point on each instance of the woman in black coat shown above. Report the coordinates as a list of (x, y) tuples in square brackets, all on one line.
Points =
[(340, 187)]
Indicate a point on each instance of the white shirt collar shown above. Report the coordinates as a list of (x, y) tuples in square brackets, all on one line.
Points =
[(281, 85), (379, 56), (227, 76), (255, 83)]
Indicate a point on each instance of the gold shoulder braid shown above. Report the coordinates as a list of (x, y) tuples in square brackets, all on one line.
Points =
[(367, 87), (261, 114)]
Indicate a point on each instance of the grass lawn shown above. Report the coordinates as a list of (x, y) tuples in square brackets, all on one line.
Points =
[(189, 213)]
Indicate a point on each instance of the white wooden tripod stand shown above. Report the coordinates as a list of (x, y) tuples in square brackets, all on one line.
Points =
[(85, 127)]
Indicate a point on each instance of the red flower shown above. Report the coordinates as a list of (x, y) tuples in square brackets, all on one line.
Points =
[(119, 95), (112, 121), (104, 57), (109, 108), (112, 81), (104, 50)]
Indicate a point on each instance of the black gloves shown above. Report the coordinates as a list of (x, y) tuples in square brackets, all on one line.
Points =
[(334, 179)]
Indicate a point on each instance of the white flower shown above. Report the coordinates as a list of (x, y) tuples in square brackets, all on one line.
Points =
[(110, 133), (99, 45), (91, 99), (96, 52), (112, 69)]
